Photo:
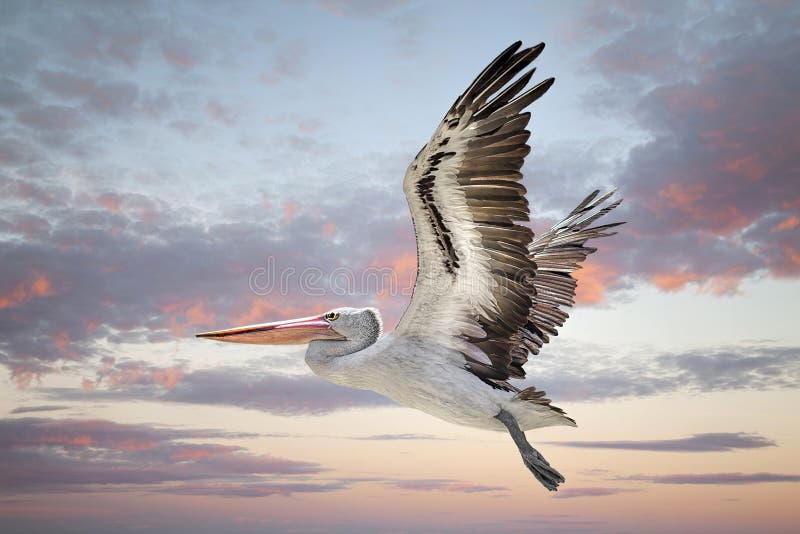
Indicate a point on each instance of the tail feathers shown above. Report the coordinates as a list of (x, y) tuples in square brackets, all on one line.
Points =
[(537, 397)]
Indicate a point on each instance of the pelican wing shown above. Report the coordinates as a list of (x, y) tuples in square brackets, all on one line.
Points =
[(475, 273), (557, 254)]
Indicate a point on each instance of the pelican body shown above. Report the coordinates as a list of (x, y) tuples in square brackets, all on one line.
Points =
[(488, 292)]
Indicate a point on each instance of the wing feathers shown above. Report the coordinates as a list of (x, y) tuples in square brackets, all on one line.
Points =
[(557, 254), (477, 278), (521, 102)]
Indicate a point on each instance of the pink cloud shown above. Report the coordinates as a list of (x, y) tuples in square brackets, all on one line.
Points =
[(121, 374), (594, 278), (109, 201), (25, 372), (196, 452), (675, 280), (183, 316), (39, 286), (289, 210), (789, 223)]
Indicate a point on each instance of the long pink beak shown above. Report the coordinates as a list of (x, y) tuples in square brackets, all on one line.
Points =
[(292, 332)]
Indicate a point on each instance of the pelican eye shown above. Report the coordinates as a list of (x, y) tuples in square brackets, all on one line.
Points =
[(331, 316)]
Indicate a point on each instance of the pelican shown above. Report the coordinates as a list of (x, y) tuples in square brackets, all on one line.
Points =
[(487, 293)]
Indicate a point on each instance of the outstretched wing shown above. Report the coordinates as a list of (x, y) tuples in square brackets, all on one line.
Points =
[(484, 286), (557, 254), (475, 274)]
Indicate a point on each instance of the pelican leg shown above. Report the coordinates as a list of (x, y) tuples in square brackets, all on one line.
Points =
[(541, 469)]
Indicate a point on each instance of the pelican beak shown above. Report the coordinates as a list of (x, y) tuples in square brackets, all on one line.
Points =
[(292, 332)]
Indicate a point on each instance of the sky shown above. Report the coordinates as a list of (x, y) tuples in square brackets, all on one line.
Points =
[(169, 168)]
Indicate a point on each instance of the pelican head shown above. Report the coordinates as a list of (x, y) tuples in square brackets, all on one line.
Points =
[(339, 324)]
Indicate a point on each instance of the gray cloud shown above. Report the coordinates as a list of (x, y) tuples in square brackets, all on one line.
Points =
[(273, 393), (30, 432), (571, 375), (72, 455), (430, 484), (723, 479), (397, 437), (708, 442), (107, 97), (706, 158), (51, 118), (77, 455), (574, 493), (249, 490), (43, 408), (242, 387), (180, 52), (13, 95)]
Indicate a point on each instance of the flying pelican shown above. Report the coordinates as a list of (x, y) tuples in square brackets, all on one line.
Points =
[(487, 292)]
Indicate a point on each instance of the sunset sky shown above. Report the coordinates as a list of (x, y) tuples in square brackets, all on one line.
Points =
[(169, 168)]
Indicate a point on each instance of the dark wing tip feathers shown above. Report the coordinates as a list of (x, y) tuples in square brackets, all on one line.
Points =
[(558, 253)]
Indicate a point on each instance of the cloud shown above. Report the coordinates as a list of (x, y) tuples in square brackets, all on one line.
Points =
[(446, 485), (37, 285), (113, 36), (220, 113), (120, 267), (28, 192), (289, 61), (594, 278), (249, 490), (106, 97), (134, 373), (51, 118), (13, 95), (30, 432), (278, 394), (714, 176), (609, 375), (229, 386), (397, 437), (24, 372), (51, 455), (708, 442), (42, 408), (180, 52), (574, 493), (718, 479), (707, 155), (77, 455)]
